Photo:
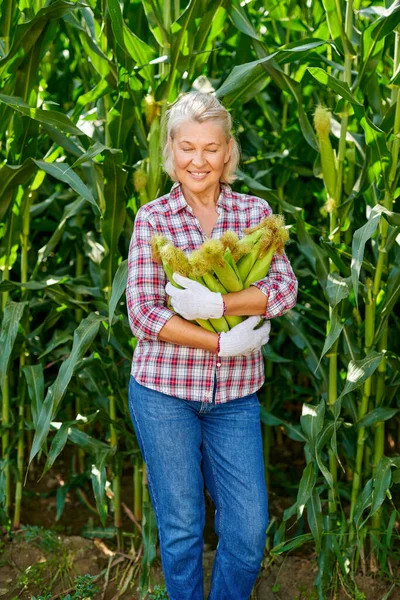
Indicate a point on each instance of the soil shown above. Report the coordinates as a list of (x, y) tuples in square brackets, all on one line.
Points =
[(26, 567)]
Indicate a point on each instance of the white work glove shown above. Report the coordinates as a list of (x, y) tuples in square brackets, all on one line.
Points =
[(195, 301), (243, 338)]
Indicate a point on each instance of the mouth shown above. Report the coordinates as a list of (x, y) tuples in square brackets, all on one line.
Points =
[(199, 174)]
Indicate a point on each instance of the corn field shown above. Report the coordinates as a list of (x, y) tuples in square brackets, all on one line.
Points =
[(313, 89)]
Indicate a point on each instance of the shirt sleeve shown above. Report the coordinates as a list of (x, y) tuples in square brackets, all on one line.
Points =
[(145, 290), (280, 285)]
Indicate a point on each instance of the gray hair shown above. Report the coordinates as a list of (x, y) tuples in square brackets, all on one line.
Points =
[(198, 107)]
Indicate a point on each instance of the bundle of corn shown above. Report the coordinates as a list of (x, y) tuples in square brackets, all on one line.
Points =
[(226, 264)]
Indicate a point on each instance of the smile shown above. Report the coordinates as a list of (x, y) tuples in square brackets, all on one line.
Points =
[(198, 175)]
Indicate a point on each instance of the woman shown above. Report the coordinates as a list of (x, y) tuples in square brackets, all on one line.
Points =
[(192, 392)]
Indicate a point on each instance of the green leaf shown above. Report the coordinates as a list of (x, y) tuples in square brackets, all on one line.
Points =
[(337, 85), (292, 431), (57, 445), (359, 370), (118, 288), (392, 294), (382, 483), (35, 382), (117, 23), (149, 534), (64, 173), (306, 487), (114, 216), (155, 22), (12, 315), (70, 210), (335, 330), (10, 177), (312, 252), (363, 501), (141, 53), (293, 323), (373, 39), (27, 33), (289, 545), (87, 156), (360, 237), (83, 337), (48, 117), (241, 21), (315, 520), (99, 480), (334, 20), (337, 288), (377, 415), (271, 355), (312, 421), (323, 438)]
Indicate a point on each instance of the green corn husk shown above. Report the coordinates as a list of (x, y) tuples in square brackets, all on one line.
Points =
[(198, 272), (174, 260), (228, 264), (213, 252), (260, 268), (271, 243), (214, 285), (322, 121)]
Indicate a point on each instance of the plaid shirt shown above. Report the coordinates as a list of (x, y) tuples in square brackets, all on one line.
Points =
[(182, 371)]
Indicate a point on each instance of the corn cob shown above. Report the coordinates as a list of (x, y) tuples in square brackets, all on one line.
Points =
[(221, 263), (174, 261), (179, 263), (269, 245), (322, 121)]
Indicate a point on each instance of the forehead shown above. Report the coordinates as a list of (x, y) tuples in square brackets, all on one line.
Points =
[(206, 132)]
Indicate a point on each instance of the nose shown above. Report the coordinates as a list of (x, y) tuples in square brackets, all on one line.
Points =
[(198, 159)]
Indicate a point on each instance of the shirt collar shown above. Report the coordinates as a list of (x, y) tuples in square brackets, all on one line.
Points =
[(178, 202)]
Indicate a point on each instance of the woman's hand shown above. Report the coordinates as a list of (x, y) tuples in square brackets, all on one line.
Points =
[(243, 338), (195, 301)]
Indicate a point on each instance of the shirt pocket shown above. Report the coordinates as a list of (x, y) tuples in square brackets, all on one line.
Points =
[(181, 241)]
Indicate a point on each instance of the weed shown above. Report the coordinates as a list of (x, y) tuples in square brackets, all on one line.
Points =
[(84, 589), (159, 593), (41, 537)]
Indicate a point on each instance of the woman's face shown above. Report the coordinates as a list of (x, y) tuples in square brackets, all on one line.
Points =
[(200, 153)]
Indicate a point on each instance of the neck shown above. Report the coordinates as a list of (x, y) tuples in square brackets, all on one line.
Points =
[(205, 199)]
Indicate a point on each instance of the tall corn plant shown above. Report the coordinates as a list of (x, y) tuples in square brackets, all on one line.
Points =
[(338, 72), (82, 92)]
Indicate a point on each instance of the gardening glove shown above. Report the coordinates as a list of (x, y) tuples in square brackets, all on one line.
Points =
[(243, 338), (195, 301)]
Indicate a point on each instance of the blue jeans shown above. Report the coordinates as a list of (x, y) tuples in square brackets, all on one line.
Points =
[(187, 445)]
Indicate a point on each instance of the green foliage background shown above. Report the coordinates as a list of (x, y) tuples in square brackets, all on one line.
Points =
[(82, 90)]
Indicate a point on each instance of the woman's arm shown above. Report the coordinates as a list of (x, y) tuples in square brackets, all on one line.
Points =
[(245, 303), (270, 297), (145, 290), (149, 317), (179, 331), (279, 286)]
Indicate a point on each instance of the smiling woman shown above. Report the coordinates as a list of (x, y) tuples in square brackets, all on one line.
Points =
[(192, 392)]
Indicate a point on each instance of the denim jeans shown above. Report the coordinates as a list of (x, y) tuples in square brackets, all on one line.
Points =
[(187, 445)]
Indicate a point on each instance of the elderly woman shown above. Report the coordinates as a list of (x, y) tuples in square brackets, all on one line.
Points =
[(192, 392)]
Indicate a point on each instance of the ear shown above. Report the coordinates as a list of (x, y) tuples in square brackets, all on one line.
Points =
[(229, 150)]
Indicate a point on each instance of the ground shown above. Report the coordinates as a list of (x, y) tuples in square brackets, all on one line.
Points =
[(28, 566)]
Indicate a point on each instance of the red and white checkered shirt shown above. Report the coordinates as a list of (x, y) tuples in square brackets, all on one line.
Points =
[(182, 371)]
